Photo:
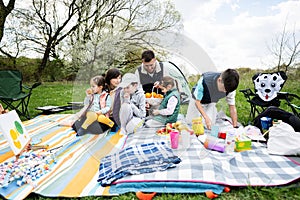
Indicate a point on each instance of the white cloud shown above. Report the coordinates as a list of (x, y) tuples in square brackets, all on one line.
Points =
[(234, 35)]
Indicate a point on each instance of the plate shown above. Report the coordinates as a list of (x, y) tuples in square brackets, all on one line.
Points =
[(47, 107)]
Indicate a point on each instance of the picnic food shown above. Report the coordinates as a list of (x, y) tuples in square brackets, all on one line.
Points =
[(178, 125), (154, 95), (89, 91), (148, 95)]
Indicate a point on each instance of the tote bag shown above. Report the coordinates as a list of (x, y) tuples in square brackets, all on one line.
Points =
[(283, 140)]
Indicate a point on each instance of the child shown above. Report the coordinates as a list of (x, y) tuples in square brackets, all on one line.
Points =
[(169, 108), (133, 110), (211, 87), (97, 106), (112, 80)]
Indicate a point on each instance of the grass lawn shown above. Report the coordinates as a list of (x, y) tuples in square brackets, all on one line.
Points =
[(63, 92)]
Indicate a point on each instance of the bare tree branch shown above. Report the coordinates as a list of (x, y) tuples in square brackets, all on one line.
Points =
[(286, 48)]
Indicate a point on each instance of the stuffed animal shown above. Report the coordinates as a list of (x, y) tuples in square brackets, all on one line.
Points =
[(267, 85)]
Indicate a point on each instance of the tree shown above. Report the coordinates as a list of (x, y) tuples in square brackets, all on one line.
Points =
[(4, 12), (50, 22), (286, 48), (92, 30), (117, 41)]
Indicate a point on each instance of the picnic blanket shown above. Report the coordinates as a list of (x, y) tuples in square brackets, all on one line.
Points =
[(248, 168), (75, 170)]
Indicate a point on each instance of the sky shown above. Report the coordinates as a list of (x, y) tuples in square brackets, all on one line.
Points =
[(238, 33)]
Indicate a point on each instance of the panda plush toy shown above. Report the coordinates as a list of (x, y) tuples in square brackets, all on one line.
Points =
[(267, 85)]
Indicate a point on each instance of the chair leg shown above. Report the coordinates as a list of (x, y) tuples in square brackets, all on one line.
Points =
[(25, 111), (253, 110), (295, 111), (21, 107)]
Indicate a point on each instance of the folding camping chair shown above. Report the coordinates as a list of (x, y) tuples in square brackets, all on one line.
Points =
[(267, 86), (11, 92), (292, 100)]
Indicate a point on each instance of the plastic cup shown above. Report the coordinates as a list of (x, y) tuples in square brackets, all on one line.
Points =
[(266, 122), (174, 136), (214, 131), (186, 138)]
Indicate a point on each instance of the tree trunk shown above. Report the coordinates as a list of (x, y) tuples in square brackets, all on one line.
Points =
[(4, 12), (43, 64)]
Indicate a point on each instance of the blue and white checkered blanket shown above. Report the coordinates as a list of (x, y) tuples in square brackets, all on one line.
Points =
[(249, 168), (137, 159)]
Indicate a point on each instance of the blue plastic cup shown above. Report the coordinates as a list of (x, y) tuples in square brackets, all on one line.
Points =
[(266, 123)]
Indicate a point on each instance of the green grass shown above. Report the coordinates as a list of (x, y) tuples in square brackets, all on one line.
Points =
[(63, 92)]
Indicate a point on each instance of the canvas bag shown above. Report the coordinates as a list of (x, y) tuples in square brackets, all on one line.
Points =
[(283, 140)]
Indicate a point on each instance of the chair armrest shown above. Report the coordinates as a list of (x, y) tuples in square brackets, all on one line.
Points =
[(289, 97), (248, 93), (32, 87), (35, 85)]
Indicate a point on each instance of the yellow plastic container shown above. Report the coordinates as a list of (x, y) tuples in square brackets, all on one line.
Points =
[(197, 126)]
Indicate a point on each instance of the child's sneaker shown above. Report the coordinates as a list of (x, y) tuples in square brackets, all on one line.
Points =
[(81, 132)]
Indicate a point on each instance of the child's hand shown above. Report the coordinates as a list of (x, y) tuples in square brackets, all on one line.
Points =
[(208, 123), (89, 91), (155, 112), (126, 95), (99, 112), (147, 106)]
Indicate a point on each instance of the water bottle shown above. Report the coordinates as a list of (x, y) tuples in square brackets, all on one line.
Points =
[(185, 138), (230, 142), (214, 143)]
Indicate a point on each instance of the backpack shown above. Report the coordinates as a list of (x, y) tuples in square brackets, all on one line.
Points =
[(279, 114)]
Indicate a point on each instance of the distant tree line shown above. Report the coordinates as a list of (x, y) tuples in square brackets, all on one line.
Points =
[(52, 40), (67, 35)]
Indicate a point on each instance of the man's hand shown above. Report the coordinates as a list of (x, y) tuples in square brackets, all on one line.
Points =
[(156, 84)]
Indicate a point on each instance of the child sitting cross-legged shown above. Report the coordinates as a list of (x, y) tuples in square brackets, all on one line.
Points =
[(132, 111), (97, 106), (169, 108)]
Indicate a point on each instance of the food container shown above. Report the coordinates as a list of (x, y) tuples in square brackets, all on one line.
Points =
[(243, 143)]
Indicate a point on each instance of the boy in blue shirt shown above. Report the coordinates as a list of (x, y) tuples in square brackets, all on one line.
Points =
[(211, 87)]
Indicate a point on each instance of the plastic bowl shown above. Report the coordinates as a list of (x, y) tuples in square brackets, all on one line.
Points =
[(154, 101)]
